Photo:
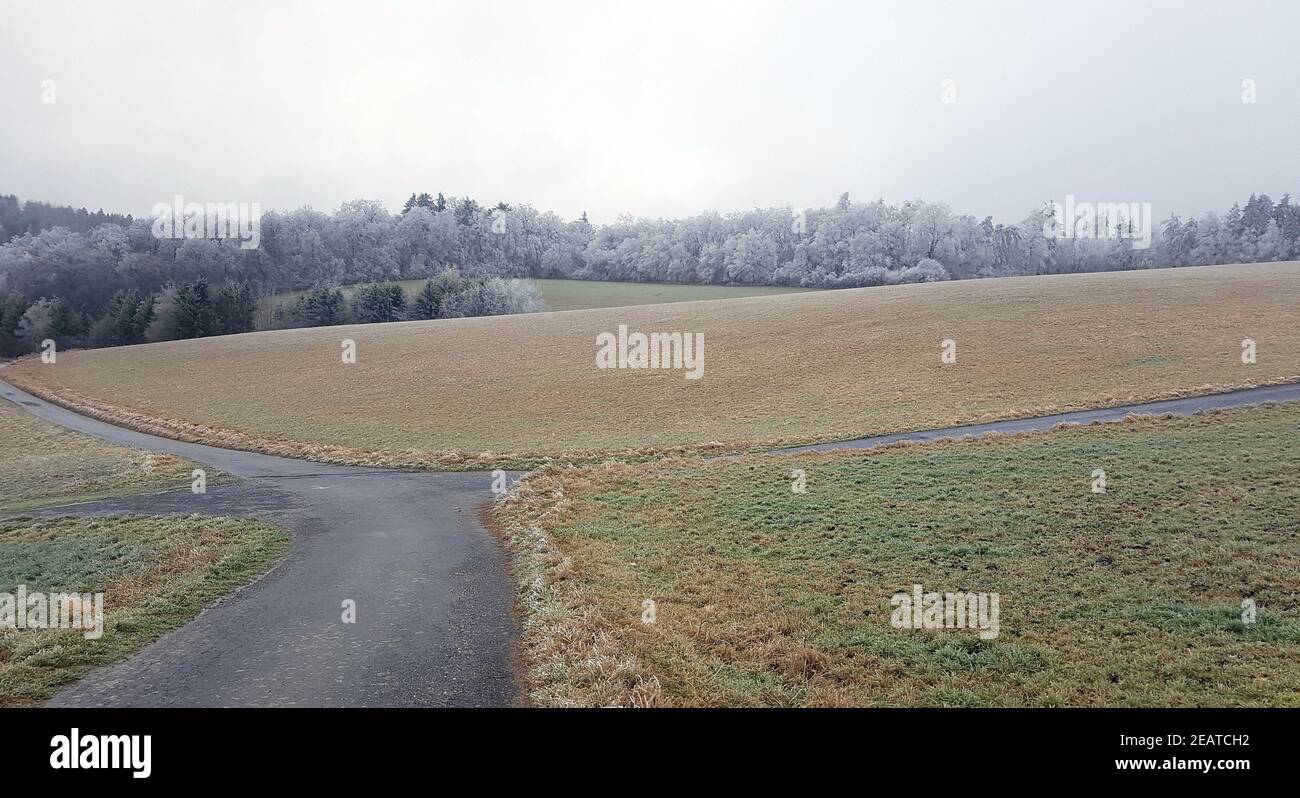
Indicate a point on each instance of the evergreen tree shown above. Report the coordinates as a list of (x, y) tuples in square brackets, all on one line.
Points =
[(374, 304), (234, 307), (1233, 220), (66, 323), (193, 314), (466, 210), (1288, 218), (322, 308), (429, 301), (12, 309), (1258, 212), (396, 299), (125, 319), (143, 317)]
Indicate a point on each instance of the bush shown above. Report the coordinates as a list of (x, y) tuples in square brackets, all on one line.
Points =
[(928, 270), (492, 297)]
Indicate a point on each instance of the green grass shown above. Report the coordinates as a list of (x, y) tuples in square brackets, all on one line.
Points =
[(768, 597), (44, 465), (583, 294), (578, 294), (156, 574)]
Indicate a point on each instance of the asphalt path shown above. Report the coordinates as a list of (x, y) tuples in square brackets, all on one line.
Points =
[(1178, 407), (434, 621), (434, 624)]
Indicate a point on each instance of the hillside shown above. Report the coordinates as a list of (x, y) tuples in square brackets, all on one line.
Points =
[(778, 370)]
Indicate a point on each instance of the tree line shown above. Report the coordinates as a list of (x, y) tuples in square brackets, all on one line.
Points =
[(31, 217), (66, 269), (448, 296), (191, 310)]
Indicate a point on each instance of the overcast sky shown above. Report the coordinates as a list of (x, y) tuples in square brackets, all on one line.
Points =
[(651, 109)]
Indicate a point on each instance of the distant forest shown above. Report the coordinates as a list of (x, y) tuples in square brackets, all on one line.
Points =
[(31, 217), (97, 279)]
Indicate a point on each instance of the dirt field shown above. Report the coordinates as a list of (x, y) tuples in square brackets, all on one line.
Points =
[(475, 393), (765, 596)]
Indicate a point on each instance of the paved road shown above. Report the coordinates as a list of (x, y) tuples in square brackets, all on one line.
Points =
[(434, 621), (1177, 407)]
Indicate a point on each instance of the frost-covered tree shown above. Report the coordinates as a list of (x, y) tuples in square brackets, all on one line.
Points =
[(89, 261)]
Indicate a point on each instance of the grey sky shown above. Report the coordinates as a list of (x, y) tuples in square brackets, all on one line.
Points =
[(653, 109)]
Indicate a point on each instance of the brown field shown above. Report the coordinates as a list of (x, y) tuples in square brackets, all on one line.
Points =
[(798, 368)]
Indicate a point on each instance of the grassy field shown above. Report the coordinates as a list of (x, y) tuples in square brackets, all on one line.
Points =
[(769, 597), (487, 392), (155, 573), (43, 464), (583, 294)]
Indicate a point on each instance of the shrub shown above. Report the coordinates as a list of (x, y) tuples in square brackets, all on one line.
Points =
[(492, 297)]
